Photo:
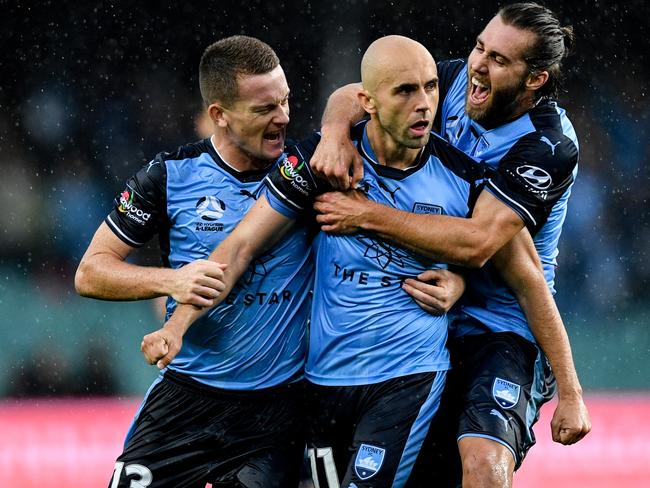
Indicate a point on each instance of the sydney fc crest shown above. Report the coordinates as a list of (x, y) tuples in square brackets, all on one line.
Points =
[(505, 393), (368, 461)]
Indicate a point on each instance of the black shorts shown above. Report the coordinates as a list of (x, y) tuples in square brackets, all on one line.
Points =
[(187, 434), (495, 390), (374, 431)]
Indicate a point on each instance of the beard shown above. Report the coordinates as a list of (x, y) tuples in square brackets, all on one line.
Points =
[(501, 106)]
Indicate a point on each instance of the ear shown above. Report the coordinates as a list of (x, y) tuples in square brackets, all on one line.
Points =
[(217, 115), (536, 80), (367, 102)]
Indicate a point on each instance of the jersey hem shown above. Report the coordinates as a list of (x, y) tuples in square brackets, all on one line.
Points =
[(371, 380), (290, 377)]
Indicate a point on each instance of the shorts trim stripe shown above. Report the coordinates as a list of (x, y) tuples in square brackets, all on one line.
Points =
[(137, 414), (536, 399), (419, 430), (492, 438)]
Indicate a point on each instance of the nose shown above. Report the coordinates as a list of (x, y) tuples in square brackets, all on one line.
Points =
[(281, 115), (423, 102), (477, 62)]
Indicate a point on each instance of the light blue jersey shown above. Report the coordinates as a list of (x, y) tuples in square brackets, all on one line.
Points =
[(193, 199), (534, 162), (364, 328)]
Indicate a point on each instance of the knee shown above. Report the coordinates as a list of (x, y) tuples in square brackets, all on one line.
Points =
[(487, 466), (484, 472)]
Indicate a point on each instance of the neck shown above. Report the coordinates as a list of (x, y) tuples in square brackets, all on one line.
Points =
[(235, 156), (388, 151)]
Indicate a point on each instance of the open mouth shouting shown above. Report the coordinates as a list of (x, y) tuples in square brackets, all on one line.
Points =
[(479, 92), (420, 128), (275, 138)]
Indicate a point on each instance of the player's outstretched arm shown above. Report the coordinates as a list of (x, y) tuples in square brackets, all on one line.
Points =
[(466, 242), (104, 273), (259, 229), (335, 155), (520, 267)]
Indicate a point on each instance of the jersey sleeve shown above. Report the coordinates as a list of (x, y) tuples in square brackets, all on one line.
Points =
[(291, 186), (534, 175), (447, 73), (141, 207)]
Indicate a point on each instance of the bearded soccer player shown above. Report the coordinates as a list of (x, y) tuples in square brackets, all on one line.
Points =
[(228, 410), (498, 107)]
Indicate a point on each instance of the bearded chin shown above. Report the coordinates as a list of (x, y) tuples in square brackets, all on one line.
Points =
[(500, 108)]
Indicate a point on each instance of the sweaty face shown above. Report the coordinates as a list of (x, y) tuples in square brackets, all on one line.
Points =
[(497, 74), (406, 103), (257, 121)]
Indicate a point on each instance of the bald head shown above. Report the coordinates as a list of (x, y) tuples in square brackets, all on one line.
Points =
[(388, 56)]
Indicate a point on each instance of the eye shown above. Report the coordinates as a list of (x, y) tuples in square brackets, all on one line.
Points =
[(431, 86), (478, 48)]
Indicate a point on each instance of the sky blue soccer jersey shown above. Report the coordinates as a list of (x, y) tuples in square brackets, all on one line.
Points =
[(364, 328), (191, 198), (534, 162)]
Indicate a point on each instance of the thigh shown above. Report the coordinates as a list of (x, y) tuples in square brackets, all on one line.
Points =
[(391, 429), (503, 381), (272, 444), (273, 468), (331, 418)]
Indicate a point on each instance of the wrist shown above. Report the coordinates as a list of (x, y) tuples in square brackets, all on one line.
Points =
[(569, 392), (176, 326), (162, 282), (369, 219), (335, 128)]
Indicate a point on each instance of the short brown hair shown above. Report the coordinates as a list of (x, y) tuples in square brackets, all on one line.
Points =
[(225, 60)]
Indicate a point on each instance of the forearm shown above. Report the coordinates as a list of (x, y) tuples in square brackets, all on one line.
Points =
[(549, 331), (519, 265), (106, 277), (342, 111), (439, 237), (236, 258), (468, 242), (261, 227)]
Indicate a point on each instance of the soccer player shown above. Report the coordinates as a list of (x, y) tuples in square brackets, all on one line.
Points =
[(498, 107), (228, 410), (376, 361)]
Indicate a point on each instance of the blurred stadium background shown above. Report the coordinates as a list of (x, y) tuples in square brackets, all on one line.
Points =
[(91, 91)]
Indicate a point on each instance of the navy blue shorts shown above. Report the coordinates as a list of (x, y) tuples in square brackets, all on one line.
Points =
[(373, 433), (495, 390), (187, 434)]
